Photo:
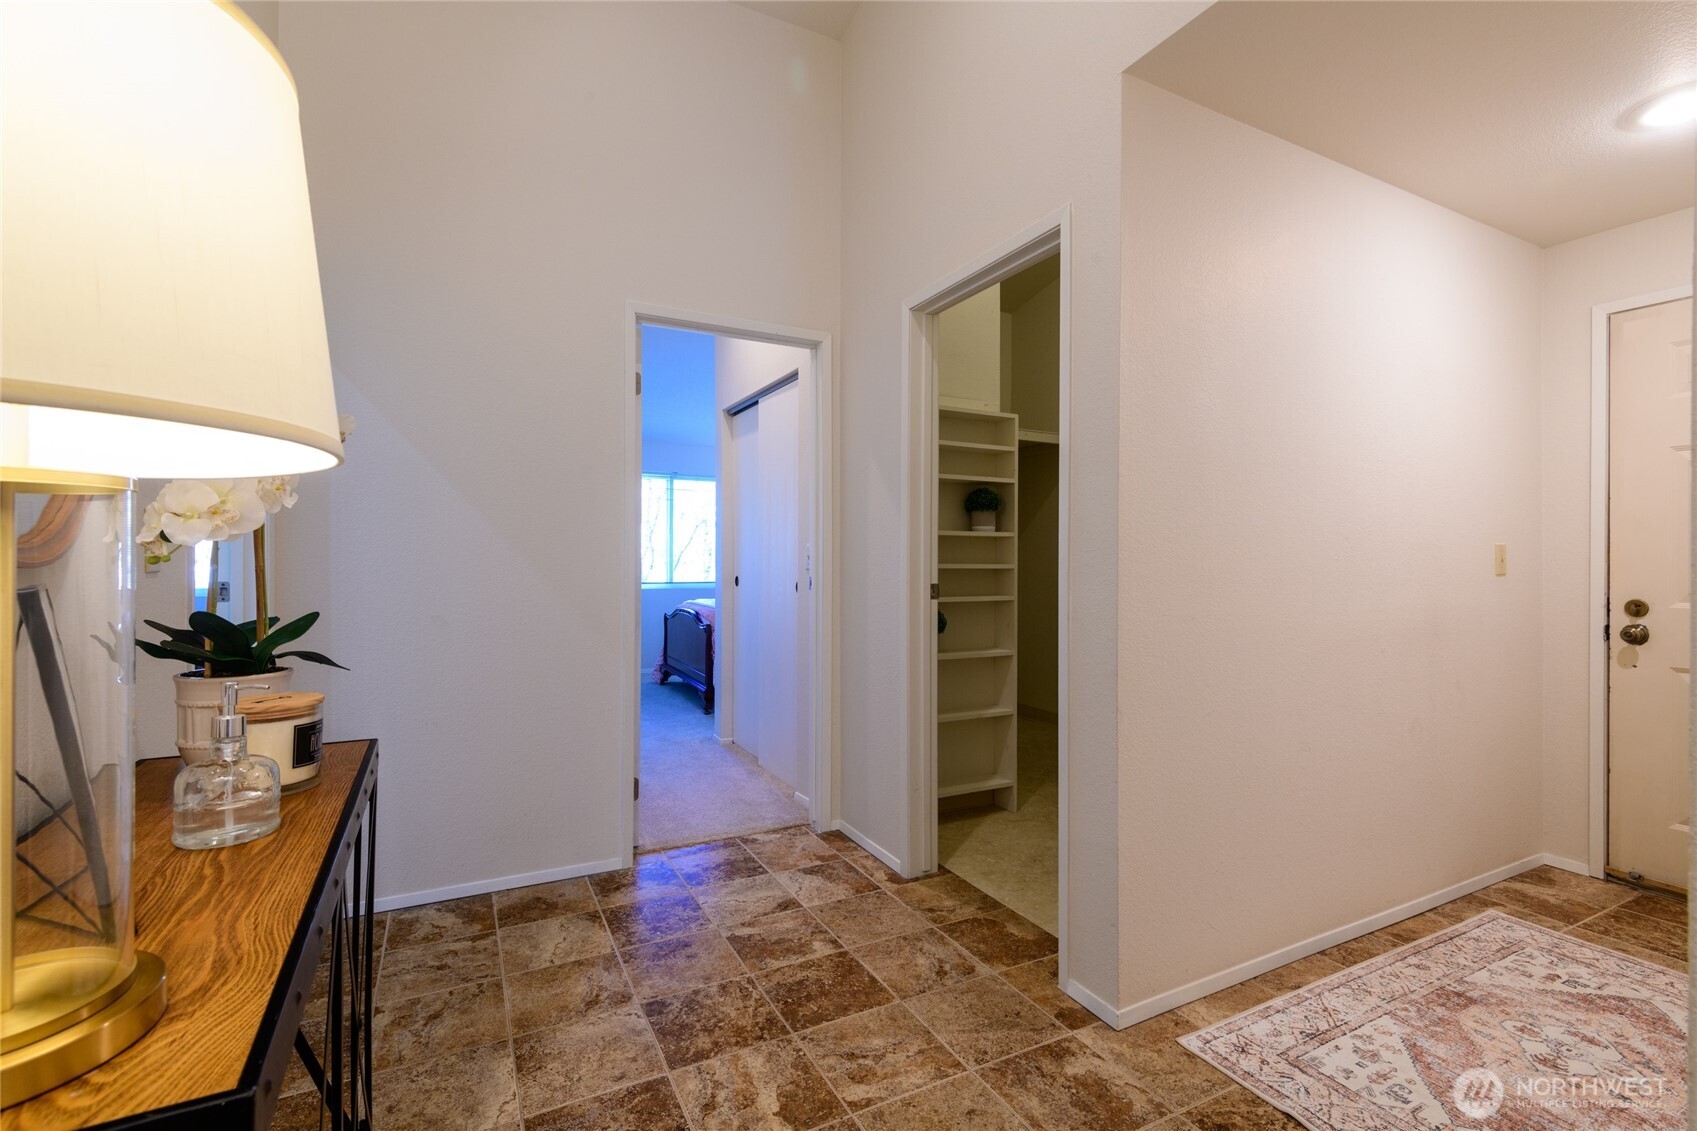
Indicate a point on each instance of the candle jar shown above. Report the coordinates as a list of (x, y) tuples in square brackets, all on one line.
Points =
[(288, 728)]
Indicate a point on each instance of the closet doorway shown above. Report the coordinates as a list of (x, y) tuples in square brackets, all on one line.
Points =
[(728, 727), (993, 534)]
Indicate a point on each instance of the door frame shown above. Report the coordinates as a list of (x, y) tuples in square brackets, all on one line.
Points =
[(821, 533), (1598, 854), (1048, 236)]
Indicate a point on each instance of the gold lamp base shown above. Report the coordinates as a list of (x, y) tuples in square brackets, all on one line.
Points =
[(45, 1064)]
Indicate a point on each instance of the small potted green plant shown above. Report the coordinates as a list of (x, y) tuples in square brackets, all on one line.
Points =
[(982, 503), (188, 512)]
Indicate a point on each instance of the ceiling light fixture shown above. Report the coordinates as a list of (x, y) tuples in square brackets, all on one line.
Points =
[(1676, 107)]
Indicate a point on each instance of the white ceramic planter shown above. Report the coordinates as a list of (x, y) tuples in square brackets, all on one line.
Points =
[(198, 700), (982, 520)]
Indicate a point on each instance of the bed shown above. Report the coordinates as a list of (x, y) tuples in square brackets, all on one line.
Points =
[(686, 648)]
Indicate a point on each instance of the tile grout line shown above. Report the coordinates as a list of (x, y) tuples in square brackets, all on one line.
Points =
[(507, 1008), (790, 1031), (897, 999), (624, 972), (749, 973), (721, 930), (796, 1035)]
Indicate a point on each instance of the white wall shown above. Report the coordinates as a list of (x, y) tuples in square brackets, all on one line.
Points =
[(1639, 259), (490, 184), (1039, 576), (964, 125), (1329, 415), (1036, 335), (163, 595), (1035, 348), (969, 352)]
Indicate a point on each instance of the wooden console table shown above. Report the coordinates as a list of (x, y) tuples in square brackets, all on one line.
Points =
[(242, 931)]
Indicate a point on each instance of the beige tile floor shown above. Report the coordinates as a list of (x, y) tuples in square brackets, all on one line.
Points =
[(789, 980)]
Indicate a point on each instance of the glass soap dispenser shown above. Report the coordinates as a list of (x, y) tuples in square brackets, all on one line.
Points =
[(234, 796)]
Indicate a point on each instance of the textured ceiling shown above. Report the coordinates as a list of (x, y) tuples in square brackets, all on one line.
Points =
[(1509, 112)]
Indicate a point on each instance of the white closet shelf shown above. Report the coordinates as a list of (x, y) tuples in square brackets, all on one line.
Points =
[(977, 478), (962, 445), (972, 600), (975, 413), (975, 534), (981, 713), (968, 565), (1037, 436), (973, 786), (975, 654)]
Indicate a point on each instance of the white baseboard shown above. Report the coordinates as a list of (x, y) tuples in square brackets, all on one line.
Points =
[(1094, 1004), (889, 858), (1202, 987), (1565, 864), (483, 887)]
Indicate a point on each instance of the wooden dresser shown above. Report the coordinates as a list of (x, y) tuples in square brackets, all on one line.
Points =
[(242, 931)]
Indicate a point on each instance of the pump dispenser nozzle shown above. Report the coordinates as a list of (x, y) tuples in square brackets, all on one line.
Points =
[(230, 723)]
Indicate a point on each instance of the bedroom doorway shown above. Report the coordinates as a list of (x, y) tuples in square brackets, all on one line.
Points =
[(731, 524)]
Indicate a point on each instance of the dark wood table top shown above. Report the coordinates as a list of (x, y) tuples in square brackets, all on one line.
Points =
[(223, 920)]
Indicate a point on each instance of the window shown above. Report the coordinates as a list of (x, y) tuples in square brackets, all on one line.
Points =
[(680, 530)]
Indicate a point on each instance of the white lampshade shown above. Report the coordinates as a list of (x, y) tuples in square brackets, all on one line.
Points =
[(160, 313)]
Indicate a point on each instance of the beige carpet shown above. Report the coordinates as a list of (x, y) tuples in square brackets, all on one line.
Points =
[(693, 788), (1015, 856), (1494, 1023)]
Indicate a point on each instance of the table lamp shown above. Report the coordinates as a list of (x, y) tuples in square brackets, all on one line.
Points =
[(160, 317)]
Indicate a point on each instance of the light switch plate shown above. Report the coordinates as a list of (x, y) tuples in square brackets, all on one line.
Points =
[(1502, 559)]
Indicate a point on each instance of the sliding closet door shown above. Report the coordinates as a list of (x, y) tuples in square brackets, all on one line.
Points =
[(767, 624), (749, 563), (780, 492)]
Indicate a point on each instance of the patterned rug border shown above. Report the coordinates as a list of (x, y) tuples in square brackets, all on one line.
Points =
[(1197, 1040)]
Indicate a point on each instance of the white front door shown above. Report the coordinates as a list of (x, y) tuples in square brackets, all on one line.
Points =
[(1649, 591)]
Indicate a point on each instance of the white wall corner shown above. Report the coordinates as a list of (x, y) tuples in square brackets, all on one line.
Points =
[(1202, 987), (1095, 1004), (1575, 866), (890, 859)]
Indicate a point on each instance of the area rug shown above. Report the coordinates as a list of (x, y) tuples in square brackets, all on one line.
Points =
[(1495, 1024)]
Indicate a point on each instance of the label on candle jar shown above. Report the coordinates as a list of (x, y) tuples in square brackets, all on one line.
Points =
[(309, 743)]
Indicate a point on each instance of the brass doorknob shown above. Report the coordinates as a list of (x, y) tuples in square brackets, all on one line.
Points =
[(1635, 634)]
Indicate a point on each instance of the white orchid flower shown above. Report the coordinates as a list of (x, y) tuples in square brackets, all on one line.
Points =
[(238, 510), (188, 511), (277, 492), (181, 512), (157, 550)]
